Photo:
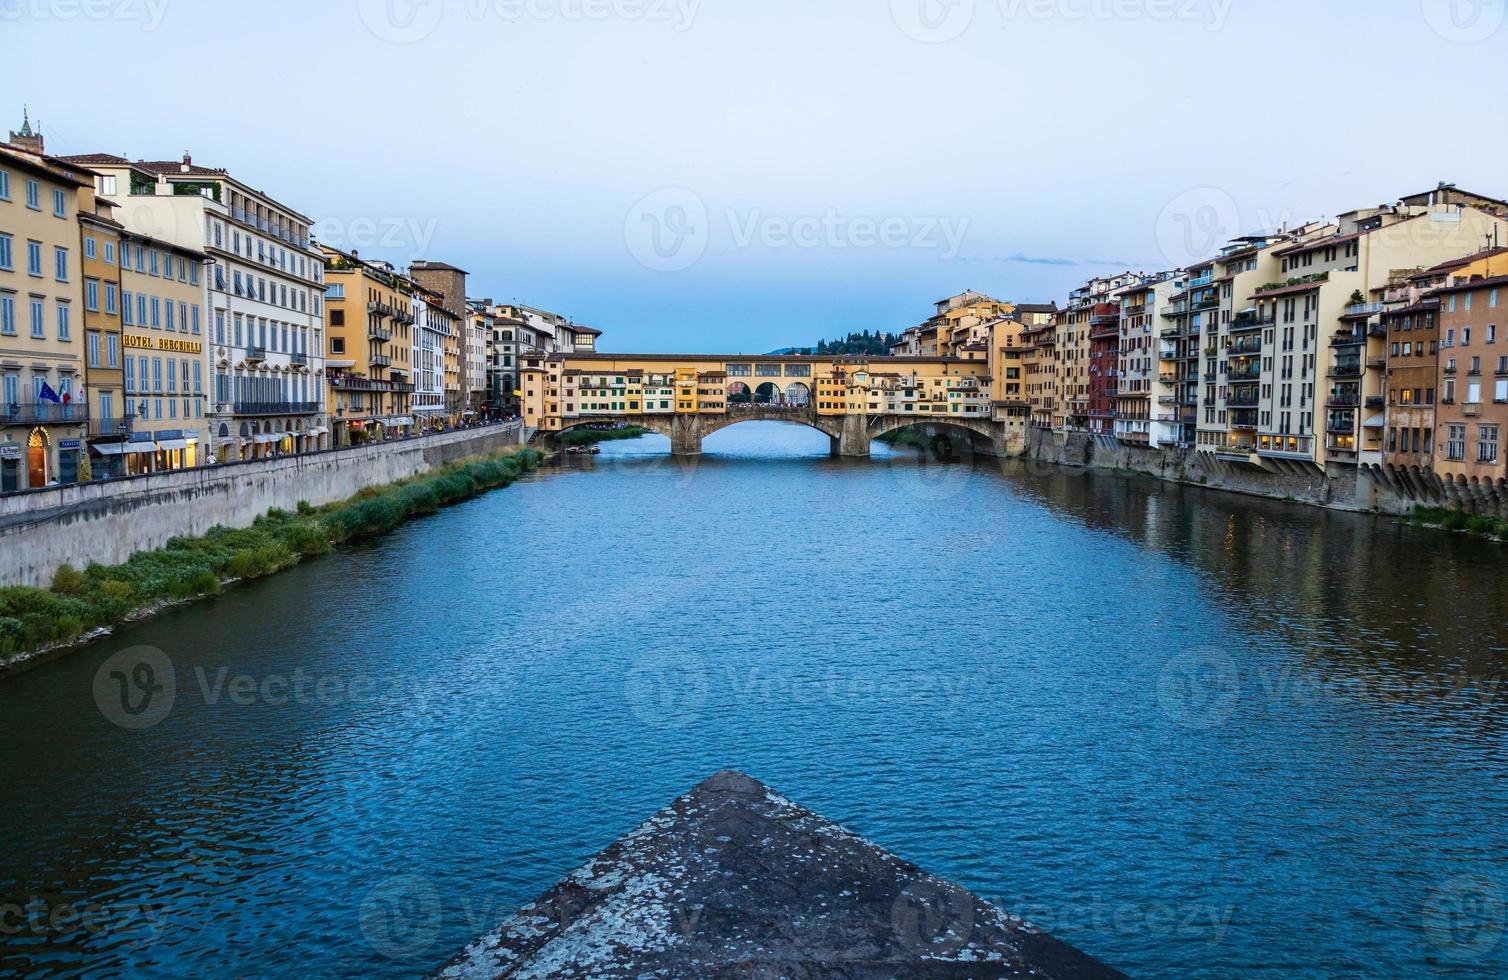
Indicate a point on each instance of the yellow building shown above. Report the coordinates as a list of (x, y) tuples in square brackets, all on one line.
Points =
[(162, 358), (104, 379), (370, 326), (43, 415)]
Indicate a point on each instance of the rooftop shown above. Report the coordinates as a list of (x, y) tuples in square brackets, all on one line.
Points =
[(733, 879)]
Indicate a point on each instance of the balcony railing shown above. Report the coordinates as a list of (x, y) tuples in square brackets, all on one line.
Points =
[(275, 408), (1365, 309), (1346, 370), (298, 358), (29, 414), (380, 360), (111, 427), (1347, 339), (379, 334), (256, 353), (1471, 409)]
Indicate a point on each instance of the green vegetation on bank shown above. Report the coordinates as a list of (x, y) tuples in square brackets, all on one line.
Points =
[(80, 601), (585, 437), (1455, 520)]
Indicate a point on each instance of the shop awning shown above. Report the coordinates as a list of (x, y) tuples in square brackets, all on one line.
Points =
[(172, 444), (109, 448), (319, 431), (266, 438), (397, 421)]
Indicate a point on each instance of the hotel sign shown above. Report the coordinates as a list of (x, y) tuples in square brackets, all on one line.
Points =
[(163, 343)]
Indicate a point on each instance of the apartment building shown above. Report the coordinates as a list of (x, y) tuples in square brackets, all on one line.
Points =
[(1473, 381), (264, 294), (502, 360), (163, 365), (1039, 366), (370, 321), (474, 360), (449, 283), (1145, 412), (104, 380), (1104, 366), (434, 335), (1328, 364), (1412, 371), (43, 411), (1089, 310)]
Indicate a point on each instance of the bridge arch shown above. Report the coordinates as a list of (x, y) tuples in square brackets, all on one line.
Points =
[(982, 433)]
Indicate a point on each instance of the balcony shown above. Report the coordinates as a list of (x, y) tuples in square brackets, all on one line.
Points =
[(1252, 321), (1246, 348), (1364, 309), (1177, 309), (380, 360), (1376, 363), (1471, 409), (1242, 401), (1250, 373), (1347, 339), (382, 309), (39, 412), (380, 334), (256, 353), (1346, 370), (1376, 402), (1342, 401), (275, 408), (298, 359), (111, 427)]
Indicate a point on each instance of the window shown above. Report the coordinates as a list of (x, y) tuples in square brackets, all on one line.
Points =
[(5, 253), (7, 314), (4, 186), (94, 349), (60, 204), (91, 296), (91, 249), (1487, 444), (109, 253), (1455, 443), (34, 259), (60, 257), (110, 298), (125, 308), (63, 315), (33, 195), (37, 330), (112, 351)]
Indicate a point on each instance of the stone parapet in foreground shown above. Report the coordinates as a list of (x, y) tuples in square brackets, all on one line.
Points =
[(734, 880)]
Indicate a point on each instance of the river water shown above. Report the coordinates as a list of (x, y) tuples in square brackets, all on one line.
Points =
[(1196, 734)]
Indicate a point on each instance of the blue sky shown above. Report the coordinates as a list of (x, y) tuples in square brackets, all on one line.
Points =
[(739, 176)]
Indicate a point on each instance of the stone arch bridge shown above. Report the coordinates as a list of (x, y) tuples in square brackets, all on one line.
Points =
[(851, 434)]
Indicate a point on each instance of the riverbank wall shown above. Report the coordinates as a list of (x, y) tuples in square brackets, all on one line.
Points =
[(108, 521), (1380, 489)]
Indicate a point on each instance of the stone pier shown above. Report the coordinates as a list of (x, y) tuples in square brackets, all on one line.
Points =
[(733, 880)]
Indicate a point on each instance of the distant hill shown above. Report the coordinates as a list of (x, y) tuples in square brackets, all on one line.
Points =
[(872, 344)]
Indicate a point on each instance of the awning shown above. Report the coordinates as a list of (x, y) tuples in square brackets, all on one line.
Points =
[(109, 448), (266, 438), (319, 431), (141, 447), (172, 444), (397, 421), (1376, 422)]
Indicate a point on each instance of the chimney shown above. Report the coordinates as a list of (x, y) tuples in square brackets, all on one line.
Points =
[(188, 162)]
